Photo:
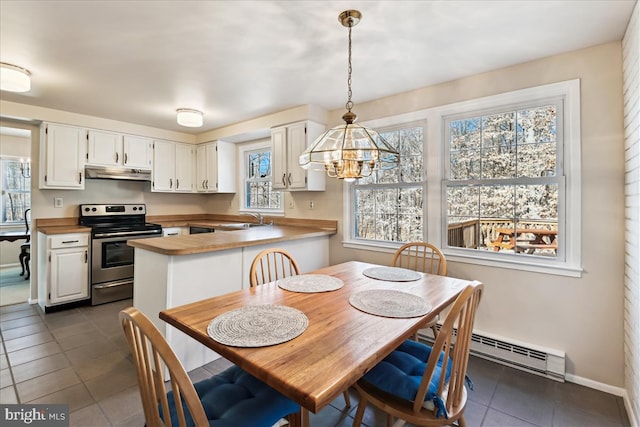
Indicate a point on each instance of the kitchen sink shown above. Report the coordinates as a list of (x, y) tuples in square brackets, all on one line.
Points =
[(238, 226)]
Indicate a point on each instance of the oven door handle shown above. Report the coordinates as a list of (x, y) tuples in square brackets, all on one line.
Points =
[(127, 233), (113, 284)]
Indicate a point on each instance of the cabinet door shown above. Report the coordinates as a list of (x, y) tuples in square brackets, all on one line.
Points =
[(296, 144), (212, 167), (279, 158), (65, 151), (104, 148), (201, 168), (137, 152), (184, 168), (69, 280), (164, 164)]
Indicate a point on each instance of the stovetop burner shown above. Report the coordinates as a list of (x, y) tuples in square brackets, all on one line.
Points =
[(123, 218)]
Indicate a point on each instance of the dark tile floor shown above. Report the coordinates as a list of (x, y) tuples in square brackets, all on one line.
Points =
[(79, 357)]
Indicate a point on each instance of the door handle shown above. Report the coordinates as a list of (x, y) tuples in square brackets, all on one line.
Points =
[(284, 177), (125, 158), (289, 178), (117, 157), (86, 256), (170, 182), (79, 177), (177, 183)]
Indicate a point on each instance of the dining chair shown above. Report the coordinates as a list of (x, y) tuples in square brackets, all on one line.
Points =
[(25, 249), (424, 385), (232, 397), (273, 264), (424, 257)]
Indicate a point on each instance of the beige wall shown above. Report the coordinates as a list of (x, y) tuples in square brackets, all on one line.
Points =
[(581, 316)]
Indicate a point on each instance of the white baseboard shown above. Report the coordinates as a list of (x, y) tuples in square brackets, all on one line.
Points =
[(607, 388), (616, 391)]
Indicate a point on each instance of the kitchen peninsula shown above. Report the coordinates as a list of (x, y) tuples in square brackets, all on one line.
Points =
[(176, 270)]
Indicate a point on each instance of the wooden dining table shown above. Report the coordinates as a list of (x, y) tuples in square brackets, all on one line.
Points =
[(340, 344)]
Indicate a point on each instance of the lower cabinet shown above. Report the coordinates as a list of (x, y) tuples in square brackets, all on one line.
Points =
[(174, 231), (63, 271)]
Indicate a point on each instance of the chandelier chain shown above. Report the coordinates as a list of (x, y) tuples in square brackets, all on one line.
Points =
[(349, 104)]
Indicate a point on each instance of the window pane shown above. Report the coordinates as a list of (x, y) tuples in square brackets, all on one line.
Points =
[(388, 206), (258, 191), (16, 190), (537, 141)]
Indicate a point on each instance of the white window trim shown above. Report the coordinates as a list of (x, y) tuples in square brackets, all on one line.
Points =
[(571, 264), (242, 168)]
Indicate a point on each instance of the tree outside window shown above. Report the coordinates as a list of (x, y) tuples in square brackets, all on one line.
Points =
[(258, 192), (502, 174), (389, 203), (16, 190)]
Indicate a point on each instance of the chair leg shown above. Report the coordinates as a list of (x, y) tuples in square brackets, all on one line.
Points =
[(295, 420), (27, 267), (347, 399), (435, 331), (461, 421), (357, 419), (21, 259)]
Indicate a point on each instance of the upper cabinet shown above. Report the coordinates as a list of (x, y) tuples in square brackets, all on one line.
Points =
[(215, 167), (62, 157), (118, 150), (173, 167), (287, 144)]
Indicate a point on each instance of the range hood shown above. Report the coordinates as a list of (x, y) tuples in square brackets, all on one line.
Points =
[(104, 172)]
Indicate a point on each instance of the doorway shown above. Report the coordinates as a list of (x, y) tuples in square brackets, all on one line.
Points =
[(15, 206)]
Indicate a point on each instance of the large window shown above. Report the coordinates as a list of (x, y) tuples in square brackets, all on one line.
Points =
[(389, 203), (16, 190), (491, 181), (502, 179), (258, 194)]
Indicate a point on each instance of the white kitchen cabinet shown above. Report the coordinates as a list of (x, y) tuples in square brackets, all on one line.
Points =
[(62, 157), (63, 272), (287, 144), (215, 167), (118, 150), (173, 167), (174, 231), (137, 152)]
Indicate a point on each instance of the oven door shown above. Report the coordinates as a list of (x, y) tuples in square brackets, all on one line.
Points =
[(112, 266)]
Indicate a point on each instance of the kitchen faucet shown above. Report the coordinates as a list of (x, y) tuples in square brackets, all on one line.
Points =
[(257, 216)]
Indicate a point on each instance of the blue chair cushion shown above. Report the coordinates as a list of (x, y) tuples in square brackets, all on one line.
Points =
[(235, 398), (401, 372)]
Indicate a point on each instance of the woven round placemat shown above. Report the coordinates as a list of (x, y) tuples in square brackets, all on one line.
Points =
[(258, 325), (392, 274), (310, 283), (390, 303)]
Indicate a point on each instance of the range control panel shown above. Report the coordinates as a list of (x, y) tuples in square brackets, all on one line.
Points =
[(102, 210)]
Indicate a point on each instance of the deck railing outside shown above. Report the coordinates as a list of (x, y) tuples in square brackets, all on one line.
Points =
[(477, 234)]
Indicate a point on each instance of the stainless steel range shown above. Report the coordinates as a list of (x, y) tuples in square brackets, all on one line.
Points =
[(111, 258)]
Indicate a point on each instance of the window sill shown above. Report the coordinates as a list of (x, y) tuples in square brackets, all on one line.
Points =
[(511, 263)]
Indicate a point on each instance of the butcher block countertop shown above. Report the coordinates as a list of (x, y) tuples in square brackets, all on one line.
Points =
[(221, 240), (52, 226)]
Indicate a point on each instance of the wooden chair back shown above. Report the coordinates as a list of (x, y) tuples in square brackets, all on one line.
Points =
[(420, 256), (454, 340), (151, 355), (272, 264)]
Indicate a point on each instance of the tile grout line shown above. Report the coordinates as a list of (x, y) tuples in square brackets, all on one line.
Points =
[(13, 379)]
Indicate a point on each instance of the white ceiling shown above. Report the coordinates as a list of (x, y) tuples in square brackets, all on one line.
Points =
[(137, 61)]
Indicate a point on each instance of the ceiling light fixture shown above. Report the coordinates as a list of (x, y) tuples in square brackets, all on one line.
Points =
[(350, 151), (189, 117), (14, 78)]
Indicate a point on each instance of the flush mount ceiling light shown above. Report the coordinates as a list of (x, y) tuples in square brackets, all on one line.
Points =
[(189, 117), (14, 78), (350, 151)]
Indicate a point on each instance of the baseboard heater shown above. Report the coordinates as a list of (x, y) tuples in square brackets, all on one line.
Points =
[(534, 359)]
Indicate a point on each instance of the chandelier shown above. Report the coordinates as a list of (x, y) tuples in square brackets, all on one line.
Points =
[(350, 151)]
